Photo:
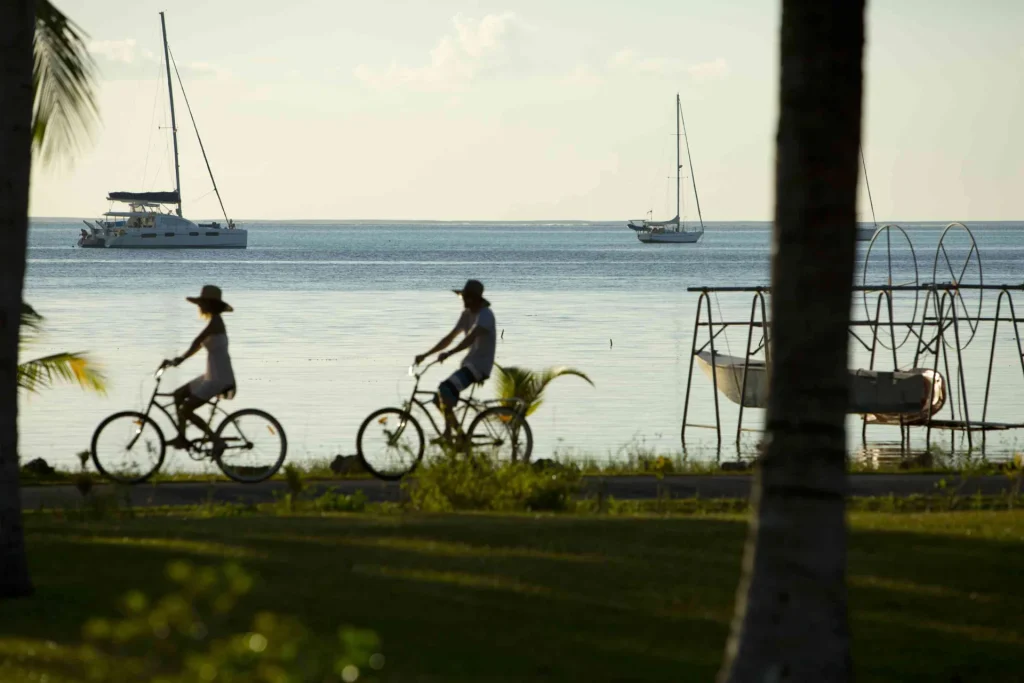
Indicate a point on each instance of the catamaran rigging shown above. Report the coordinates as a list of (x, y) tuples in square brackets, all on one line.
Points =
[(145, 225)]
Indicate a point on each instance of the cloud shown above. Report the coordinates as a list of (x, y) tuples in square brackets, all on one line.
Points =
[(627, 59), (127, 60), (662, 66), (474, 48), (706, 71), (204, 70), (124, 51), (583, 75)]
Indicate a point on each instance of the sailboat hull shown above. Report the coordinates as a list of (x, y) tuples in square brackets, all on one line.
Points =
[(680, 237)]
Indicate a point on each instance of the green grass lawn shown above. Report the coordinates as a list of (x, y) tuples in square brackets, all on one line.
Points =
[(933, 597)]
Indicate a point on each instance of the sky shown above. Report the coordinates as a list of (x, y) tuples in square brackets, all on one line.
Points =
[(528, 109)]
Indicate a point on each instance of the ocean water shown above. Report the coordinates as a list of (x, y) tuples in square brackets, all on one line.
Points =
[(329, 316)]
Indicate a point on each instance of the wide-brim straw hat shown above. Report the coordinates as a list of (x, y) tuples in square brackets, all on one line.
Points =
[(210, 293)]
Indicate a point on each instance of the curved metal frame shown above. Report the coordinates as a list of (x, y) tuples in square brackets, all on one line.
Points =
[(864, 279), (956, 281)]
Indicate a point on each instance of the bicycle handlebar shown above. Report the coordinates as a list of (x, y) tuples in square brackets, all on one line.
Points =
[(422, 369)]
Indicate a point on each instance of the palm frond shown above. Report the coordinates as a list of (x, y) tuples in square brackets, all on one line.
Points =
[(30, 318), (545, 377), (31, 324), (528, 385), (72, 368), (63, 84)]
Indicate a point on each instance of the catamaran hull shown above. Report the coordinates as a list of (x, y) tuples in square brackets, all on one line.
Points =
[(669, 237), (200, 238)]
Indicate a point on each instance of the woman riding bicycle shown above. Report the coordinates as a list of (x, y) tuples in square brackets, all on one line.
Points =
[(219, 379)]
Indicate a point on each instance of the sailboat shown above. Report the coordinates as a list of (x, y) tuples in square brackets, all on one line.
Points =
[(146, 221), (673, 231)]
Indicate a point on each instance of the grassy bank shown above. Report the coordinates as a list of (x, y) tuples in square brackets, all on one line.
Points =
[(534, 597), (630, 462)]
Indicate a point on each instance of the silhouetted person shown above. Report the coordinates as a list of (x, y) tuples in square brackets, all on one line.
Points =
[(219, 378), (477, 323)]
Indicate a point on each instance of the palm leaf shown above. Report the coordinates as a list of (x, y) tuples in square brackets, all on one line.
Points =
[(31, 324), (63, 84), (72, 368), (528, 385), (30, 318), (545, 377)]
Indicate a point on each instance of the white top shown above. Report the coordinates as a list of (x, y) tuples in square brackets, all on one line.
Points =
[(219, 374), (480, 359)]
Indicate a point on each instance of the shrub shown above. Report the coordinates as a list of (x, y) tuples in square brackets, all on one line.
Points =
[(186, 636), (472, 482)]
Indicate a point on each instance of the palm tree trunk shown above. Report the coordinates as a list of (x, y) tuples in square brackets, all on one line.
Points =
[(791, 616), (17, 27)]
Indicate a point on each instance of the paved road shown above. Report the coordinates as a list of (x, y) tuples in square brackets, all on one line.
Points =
[(623, 488)]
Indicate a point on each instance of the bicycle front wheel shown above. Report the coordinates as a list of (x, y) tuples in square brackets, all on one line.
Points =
[(128, 447), (390, 443), (255, 446), (502, 434)]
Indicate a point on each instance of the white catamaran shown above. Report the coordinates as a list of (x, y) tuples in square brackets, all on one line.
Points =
[(673, 230), (148, 223)]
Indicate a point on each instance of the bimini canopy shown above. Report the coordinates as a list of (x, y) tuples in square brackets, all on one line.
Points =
[(658, 224), (156, 197)]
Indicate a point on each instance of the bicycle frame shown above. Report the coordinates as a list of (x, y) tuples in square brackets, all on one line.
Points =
[(165, 407), (466, 404)]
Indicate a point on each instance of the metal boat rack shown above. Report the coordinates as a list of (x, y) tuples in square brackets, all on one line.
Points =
[(941, 327)]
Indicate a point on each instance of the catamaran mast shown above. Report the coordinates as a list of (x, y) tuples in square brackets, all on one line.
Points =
[(174, 126), (689, 158)]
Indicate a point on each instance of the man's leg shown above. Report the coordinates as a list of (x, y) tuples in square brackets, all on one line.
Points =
[(447, 397)]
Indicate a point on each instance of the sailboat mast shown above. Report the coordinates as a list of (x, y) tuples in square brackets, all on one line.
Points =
[(679, 164), (689, 158), (867, 184), (174, 126)]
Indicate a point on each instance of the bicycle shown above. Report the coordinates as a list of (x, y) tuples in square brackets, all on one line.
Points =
[(498, 431), (246, 458)]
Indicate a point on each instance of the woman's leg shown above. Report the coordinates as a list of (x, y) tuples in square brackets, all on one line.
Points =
[(186, 405)]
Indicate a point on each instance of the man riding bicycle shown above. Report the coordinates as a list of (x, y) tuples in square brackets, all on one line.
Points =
[(477, 323)]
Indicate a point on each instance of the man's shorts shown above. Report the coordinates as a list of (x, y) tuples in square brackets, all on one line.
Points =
[(448, 391)]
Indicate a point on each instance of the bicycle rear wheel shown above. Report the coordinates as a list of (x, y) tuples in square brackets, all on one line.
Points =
[(390, 443), (502, 434), (255, 446), (128, 447)]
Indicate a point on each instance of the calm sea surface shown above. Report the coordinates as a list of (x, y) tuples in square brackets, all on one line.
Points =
[(329, 315)]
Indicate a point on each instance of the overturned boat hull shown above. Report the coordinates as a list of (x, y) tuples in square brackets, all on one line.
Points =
[(885, 397)]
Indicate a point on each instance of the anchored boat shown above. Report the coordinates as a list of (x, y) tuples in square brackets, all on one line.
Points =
[(673, 231), (147, 220)]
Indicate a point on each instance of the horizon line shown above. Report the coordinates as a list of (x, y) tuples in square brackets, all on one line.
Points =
[(578, 221)]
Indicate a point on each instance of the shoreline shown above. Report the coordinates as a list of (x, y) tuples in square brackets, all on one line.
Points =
[(621, 487)]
